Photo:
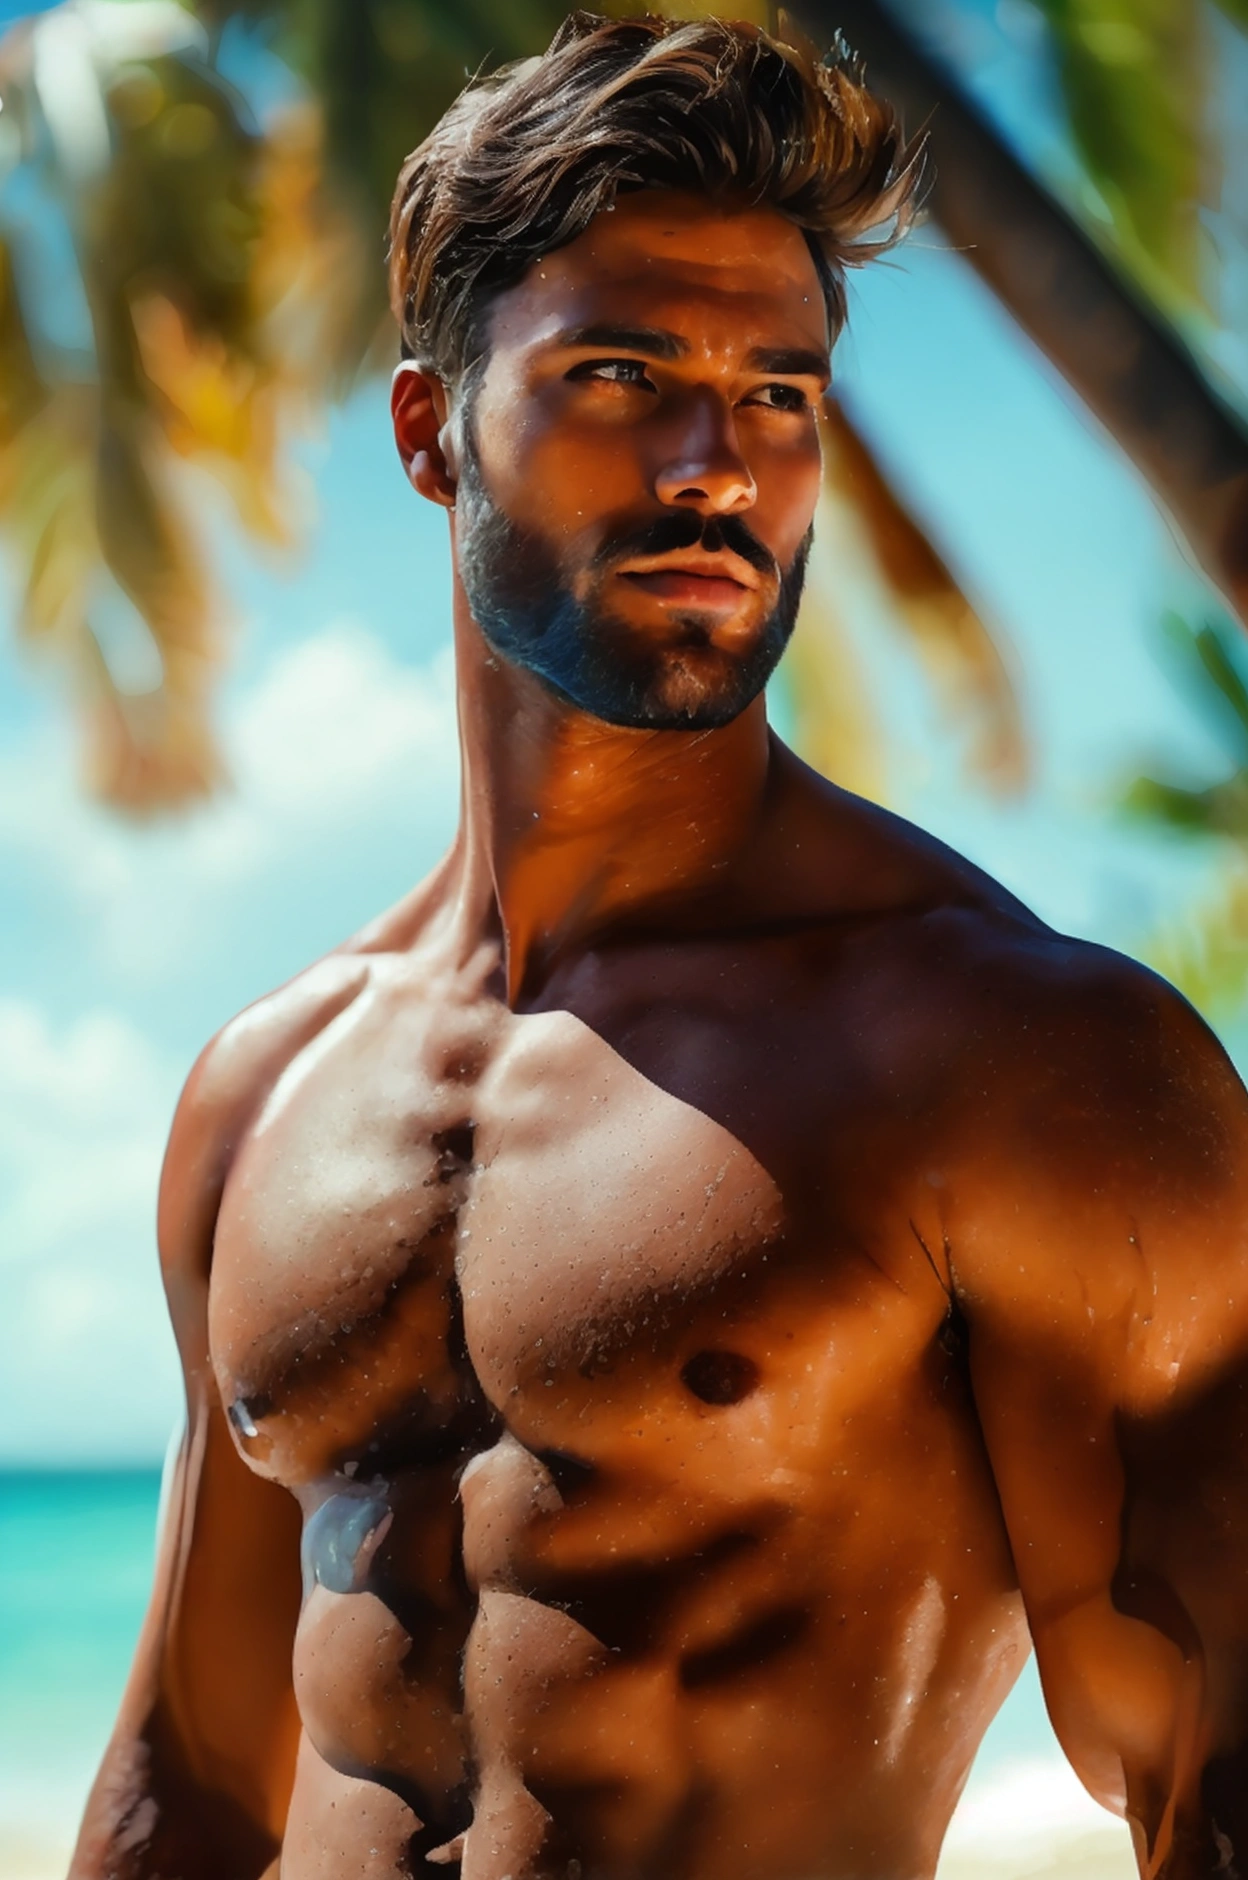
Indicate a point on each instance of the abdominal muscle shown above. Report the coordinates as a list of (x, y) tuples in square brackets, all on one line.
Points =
[(751, 1708)]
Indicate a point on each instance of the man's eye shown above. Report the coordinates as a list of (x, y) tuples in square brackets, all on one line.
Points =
[(613, 372), (780, 398)]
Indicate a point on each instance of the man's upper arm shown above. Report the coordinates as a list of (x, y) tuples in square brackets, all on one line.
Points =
[(198, 1774), (1100, 1252)]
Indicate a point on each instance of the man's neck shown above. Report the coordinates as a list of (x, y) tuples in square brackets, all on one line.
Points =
[(572, 828)]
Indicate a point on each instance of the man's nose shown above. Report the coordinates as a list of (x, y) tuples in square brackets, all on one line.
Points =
[(704, 469)]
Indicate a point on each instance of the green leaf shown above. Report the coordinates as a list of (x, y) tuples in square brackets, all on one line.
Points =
[(1215, 657), (1133, 80), (1205, 953), (1219, 810)]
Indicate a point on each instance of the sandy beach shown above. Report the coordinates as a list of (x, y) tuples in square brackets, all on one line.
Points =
[(1033, 1820), (24, 1858)]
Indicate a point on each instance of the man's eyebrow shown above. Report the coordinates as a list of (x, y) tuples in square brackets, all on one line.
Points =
[(786, 361), (795, 362), (655, 340)]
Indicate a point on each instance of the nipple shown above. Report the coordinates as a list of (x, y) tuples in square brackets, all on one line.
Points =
[(720, 1376), (340, 1539)]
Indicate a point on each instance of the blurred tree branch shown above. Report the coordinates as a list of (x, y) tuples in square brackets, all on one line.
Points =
[(1134, 80), (1126, 364), (205, 267), (233, 278), (961, 655), (232, 275)]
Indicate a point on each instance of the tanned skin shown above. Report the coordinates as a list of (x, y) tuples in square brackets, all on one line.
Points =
[(714, 1275)]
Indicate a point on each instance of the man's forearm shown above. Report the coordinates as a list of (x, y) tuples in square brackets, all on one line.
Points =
[(1210, 1839)]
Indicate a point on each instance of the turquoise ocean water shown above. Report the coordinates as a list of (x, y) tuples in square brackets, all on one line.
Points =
[(76, 1555)]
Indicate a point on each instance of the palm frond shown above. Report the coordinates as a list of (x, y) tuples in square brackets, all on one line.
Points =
[(1235, 10), (961, 655), (1206, 954), (1212, 645), (836, 727), (48, 495), (22, 388), (1209, 668), (214, 276), (1221, 809), (1133, 80), (1122, 358), (234, 279)]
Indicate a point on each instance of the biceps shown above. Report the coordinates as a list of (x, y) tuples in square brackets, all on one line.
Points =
[(1049, 1432)]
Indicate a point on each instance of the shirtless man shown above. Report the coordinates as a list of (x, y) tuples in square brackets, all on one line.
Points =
[(709, 1278)]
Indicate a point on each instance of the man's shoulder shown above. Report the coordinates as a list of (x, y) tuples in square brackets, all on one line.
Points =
[(242, 1064), (1082, 1081), (241, 1061), (227, 1086), (1093, 1158), (1060, 1032), (1068, 1105), (848, 858), (1028, 1016)]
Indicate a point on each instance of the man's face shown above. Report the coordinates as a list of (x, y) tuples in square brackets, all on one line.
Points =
[(639, 464)]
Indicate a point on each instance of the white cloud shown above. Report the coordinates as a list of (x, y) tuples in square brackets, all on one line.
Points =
[(86, 1358), (338, 751), (344, 759), (80, 1116), (337, 725)]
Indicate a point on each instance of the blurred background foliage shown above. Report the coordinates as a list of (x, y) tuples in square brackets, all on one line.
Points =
[(1134, 74), (1207, 955), (188, 274)]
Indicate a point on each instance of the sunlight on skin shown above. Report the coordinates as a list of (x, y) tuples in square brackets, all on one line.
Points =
[(557, 1188)]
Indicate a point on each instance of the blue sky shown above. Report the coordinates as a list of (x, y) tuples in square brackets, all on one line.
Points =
[(123, 949)]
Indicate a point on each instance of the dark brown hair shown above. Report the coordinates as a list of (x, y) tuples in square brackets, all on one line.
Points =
[(526, 157)]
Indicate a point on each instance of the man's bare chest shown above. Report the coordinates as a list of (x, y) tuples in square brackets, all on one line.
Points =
[(443, 1214)]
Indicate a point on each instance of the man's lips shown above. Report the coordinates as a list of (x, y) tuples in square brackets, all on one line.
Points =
[(686, 588)]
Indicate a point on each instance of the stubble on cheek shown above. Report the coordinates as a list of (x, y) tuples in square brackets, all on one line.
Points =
[(547, 601)]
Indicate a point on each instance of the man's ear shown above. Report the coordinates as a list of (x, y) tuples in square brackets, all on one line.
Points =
[(419, 407)]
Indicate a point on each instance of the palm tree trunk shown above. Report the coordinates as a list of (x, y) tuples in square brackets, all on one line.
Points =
[(1126, 364)]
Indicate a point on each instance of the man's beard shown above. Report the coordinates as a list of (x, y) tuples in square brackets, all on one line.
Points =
[(520, 598)]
